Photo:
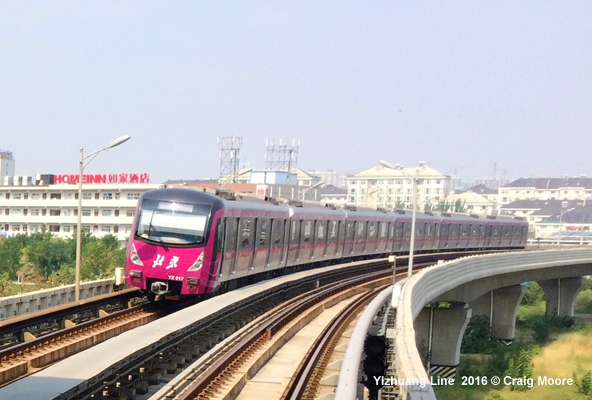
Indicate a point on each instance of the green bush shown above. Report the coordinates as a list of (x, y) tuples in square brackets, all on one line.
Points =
[(584, 302)]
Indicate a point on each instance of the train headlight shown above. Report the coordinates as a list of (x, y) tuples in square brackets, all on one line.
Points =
[(134, 258), (196, 266), (135, 273)]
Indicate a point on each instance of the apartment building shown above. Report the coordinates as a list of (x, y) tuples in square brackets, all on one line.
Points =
[(392, 186), (563, 189), (107, 208)]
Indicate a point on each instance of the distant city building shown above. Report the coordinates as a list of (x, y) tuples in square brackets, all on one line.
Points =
[(546, 189), (329, 177), (383, 186), (553, 218), (333, 195), (478, 200), (6, 166)]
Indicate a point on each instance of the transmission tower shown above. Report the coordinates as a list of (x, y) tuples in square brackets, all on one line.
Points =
[(281, 156), (229, 157)]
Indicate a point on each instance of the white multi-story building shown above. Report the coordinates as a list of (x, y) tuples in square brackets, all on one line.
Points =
[(392, 187), (563, 189), (107, 208)]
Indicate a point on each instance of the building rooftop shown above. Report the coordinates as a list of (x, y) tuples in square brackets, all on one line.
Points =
[(332, 190), (551, 183)]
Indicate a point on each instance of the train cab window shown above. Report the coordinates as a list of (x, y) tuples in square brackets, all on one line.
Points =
[(306, 230), (295, 232)]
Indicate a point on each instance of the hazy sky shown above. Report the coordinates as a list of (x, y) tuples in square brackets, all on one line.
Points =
[(460, 84)]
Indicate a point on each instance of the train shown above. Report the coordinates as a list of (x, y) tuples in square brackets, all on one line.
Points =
[(187, 242)]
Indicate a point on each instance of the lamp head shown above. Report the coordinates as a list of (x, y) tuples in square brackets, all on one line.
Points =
[(119, 140)]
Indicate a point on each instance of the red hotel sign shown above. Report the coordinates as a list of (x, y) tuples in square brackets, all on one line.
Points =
[(103, 178)]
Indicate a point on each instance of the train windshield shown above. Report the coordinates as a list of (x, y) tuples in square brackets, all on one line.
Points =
[(171, 222)]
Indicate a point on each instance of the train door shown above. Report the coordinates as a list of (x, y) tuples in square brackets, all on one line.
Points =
[(276, 245), (230, 254), (320, 240), (245, 245), (420, 235), (444, 235), (306, 241), (294, 246), (488, 233), (454, 235), (218, 250), (429, 236), (372, 238), (332, 239), (390, 246), (382, 237), (261, 245), (399, 235), (350, 238), (340, 239), (361, 238)]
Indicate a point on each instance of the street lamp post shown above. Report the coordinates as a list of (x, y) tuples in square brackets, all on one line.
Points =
[(81, 166), (561, 223)]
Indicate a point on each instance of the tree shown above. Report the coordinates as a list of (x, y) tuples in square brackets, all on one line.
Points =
[(478, 338), (460, 206), (10, 255)]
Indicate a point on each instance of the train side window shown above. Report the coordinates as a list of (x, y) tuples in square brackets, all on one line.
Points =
[(219, 246), (295, 231), (350, 230), (332, 230), (399, 226), (392, 230), (496, 231), (263, 232), (407, 230), (341, 230), (506, 230), (429, 230), (277, 227), (320, 231), (361, 230), (474, 230), (383, 228), (246, 232), (371, 230), (482, 229), (445, 230), (454, 230), (306, 230), (464, 230), (231, 236), (420, 230)]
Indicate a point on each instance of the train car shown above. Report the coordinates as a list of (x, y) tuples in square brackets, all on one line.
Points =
[(187, 242)]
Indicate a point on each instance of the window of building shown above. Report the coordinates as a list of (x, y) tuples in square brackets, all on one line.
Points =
[(26, 196), (117, 196), (106, 213), (67, 213), (107, 196), (390, 182), (35, 212), (54, 228), (85, 228), (34, 228), (17, 211), (54, 213), (7, 196), (16, 196), (96, 213), (133, 196), (7, 212), (55, 196), (117, 213), (86, 196), (44, 196), (130, 213), (67, 228), (372, 182), (16, 228), (352, 199), (86, 213), (353, 182), (106, 229), (96, 196), (115, 229), (68, 196)]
